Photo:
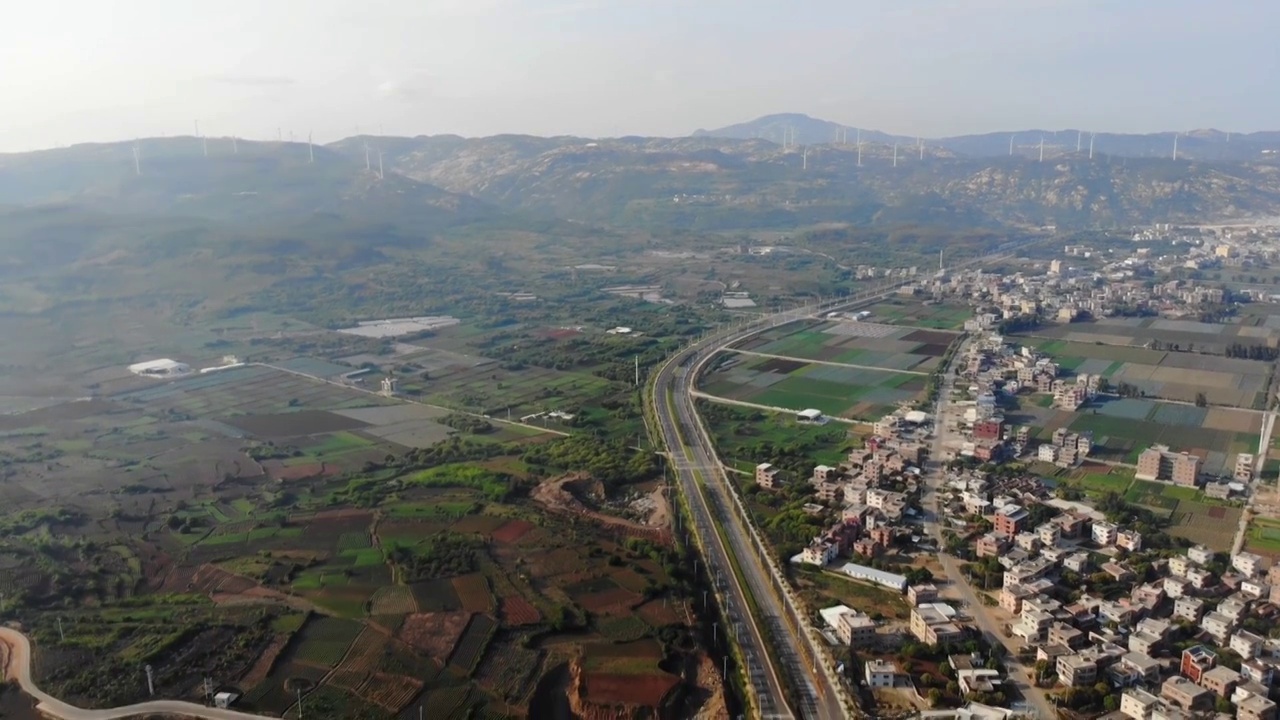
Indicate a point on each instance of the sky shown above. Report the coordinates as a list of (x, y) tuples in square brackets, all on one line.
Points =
[(103, 70)]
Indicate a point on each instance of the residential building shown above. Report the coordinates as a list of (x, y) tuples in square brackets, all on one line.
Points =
[(1218, 625), (855, 628), (1130, 540), (1076, 562), (1188, 608), (1257, 671), (880, 673), (1012, 595), (1049, 534), (1244, 468), (1028, 541), (1185, 694), (1142, 642), (1220, 681), (1200, 554), (1255, 588), (991, 429), (1246, 644), (768, 476), (1138, 704), (1196, 661), (1256, 707), (1249, 564), (1009, 520), (922, 593), (1048, 453), (818, 552), (1144, 666), (1176, 587), (1067, 636), (1179, 565), (1077, 670), (1199, 578), (824, 473), (993, 544), (1104, 533), (1159, 463), (1234, 606), (931, 627)]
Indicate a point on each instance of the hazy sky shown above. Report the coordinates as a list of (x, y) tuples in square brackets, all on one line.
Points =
[(79, 70)]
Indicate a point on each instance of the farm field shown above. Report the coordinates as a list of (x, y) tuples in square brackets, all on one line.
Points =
[(863, 343), (861, 383), (745, 437), (260, 525), (1191, 515), (1163, 374), (1123, 428), (906, 311), (1250, 328), (1263, 537)]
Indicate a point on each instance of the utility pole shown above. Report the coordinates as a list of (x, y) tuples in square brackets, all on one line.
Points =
[(299, 702), (151, 682), (61, 635)]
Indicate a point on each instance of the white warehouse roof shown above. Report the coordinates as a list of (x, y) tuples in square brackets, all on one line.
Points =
[(163, 366)]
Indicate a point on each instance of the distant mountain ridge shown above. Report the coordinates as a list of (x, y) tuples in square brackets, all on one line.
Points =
[(1205, 144)]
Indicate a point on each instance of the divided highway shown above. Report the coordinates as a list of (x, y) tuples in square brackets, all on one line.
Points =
[(715, 510)]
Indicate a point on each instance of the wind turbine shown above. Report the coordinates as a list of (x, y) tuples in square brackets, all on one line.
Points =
[(859, 136), (381, 176), (895, 153), (311, 153), (366, 157), (1092, 135), (1079, 136), (204, 142), (804, 158), (137, 159), (1041, 148), (235, 147), (920, 145), (1011, 137), (1175, 146)]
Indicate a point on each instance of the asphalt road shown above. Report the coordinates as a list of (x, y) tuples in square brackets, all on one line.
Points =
[(695, 469), (19, 668)]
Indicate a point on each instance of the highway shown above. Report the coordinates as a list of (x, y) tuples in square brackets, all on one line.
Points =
[(707, 490), (18, 668), (705, 486)]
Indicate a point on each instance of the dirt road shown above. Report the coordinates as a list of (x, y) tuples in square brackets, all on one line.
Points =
[(18, 667)]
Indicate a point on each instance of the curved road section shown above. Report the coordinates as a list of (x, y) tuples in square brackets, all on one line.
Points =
[(19, 669)]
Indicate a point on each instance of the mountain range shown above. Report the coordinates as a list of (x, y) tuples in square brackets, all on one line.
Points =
[(408, 189), (1203, 145)]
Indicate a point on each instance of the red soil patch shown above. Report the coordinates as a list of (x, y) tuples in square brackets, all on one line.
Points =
[(511, 531), (473, 592), (477, 524), (279, 471), (262, 666), (609, 601), (657, 614), (644, 690), (179, 580), (434, 633), (515, 610)]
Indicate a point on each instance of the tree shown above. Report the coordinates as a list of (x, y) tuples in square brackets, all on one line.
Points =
[(1201, 400), (935, 697), (1111, 704)]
